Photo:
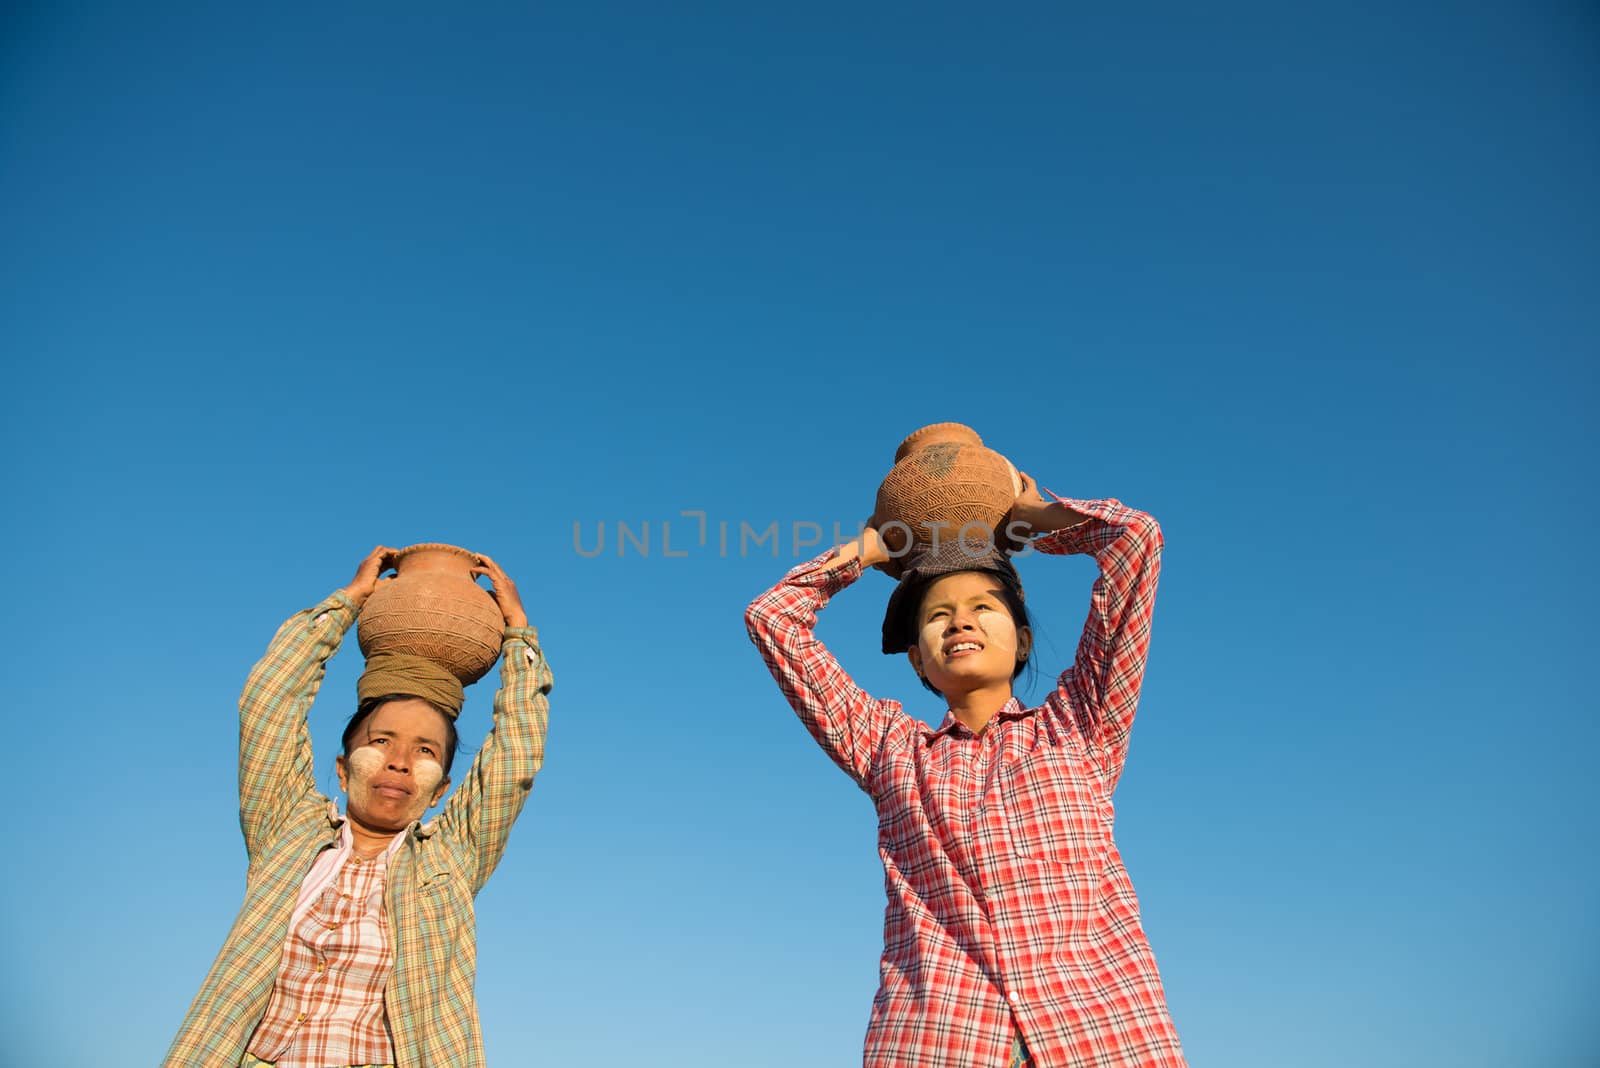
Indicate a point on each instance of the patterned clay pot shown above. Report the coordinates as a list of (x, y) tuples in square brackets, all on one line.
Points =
[(434, 608), (943, 475)]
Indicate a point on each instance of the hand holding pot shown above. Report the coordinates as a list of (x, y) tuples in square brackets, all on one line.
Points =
[(503, 590), (378, 561), (868, 547), (1026, 511), (1031, 514)]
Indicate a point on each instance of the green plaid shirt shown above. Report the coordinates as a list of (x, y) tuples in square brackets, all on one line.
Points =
[(432, 879)]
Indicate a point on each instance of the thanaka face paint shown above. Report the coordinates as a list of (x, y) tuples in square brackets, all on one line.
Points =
[(369, 802), (966, 635), (429, 774), (366, 761)]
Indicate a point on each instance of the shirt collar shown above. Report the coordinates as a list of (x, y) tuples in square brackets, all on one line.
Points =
[(954, 728), (337, 821)]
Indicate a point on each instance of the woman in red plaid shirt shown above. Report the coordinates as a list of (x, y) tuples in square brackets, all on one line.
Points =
[(1012, 934)]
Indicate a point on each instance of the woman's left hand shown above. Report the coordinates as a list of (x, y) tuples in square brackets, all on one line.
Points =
[(503, 590), (1029, 506), (1038, 515)]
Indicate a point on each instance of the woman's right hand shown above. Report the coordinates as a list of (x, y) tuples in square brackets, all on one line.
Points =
[(378, 561), (874, 553), (503, 590), (868, 547)]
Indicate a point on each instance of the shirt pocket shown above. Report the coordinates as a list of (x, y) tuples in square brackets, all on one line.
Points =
[(436, 882), (1053, 809), (434, 914)]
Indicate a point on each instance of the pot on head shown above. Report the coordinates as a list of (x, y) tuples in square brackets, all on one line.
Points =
[(944, 484), (434, 608)]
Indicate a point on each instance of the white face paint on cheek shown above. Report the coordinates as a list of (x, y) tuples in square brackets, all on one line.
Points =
[(1001, 632), (366, 761), (362, 765), (428, 775)]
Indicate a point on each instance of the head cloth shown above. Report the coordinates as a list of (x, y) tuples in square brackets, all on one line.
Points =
[(414, 676)]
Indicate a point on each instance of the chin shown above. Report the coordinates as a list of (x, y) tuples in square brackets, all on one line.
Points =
[(954, 683), (978, 673)]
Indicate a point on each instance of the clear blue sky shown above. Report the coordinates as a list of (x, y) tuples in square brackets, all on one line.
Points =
[(1317, 287)]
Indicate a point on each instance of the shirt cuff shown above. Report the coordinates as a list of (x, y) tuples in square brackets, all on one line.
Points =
[(528, 637), (1077, 538), (339, 605), (521, 634), (812, 576)]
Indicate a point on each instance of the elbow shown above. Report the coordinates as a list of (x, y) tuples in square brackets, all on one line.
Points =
[(1145, 530), (758, 620)]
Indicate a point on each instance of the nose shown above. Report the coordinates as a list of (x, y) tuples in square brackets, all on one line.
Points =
[(960, 620), (399, 759)]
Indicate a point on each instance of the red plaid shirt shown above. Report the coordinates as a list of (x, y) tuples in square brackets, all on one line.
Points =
[(1009, 907)]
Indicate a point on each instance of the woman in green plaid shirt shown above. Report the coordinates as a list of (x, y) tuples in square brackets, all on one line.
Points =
[(404, 964)]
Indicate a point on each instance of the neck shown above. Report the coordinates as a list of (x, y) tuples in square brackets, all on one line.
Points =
[(368, 841), (977, 707)]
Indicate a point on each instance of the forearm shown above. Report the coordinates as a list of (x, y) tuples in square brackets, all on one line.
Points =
[(1041, 518), (1108, 669), (521, 713), (849, 724), (867, 549), (1095, 527), (275, 760), (492, 796), (782, 621)]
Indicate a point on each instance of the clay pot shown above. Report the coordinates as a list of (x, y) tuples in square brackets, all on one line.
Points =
[(943, 475), (434, 608)]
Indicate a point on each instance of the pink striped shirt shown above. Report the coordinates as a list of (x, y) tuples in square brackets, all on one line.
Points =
[(327, 1000)]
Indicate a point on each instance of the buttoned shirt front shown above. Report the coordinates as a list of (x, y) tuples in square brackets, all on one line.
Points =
[(327, 1000), (1009, 909)]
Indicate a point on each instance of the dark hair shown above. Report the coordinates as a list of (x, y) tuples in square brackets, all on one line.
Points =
[(370, 705), (1010, 596)]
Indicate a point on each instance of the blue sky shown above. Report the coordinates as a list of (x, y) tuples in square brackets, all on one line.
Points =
[(1314, 286)]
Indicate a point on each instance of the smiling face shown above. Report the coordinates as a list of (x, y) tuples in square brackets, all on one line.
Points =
[(393, 772), (966, 638)]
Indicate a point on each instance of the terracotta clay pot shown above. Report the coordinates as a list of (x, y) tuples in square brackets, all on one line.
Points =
[(434, 608), (943, 475)]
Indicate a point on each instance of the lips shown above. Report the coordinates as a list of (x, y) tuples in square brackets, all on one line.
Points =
[(962, 647), (391, 789)]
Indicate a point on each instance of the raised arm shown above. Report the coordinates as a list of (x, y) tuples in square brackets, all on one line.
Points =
[(486, 804), (1101, 688), (276, 772), (851, 726)]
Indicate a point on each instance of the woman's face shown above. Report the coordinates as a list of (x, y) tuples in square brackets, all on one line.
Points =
[(966, 638), (394, 771)]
